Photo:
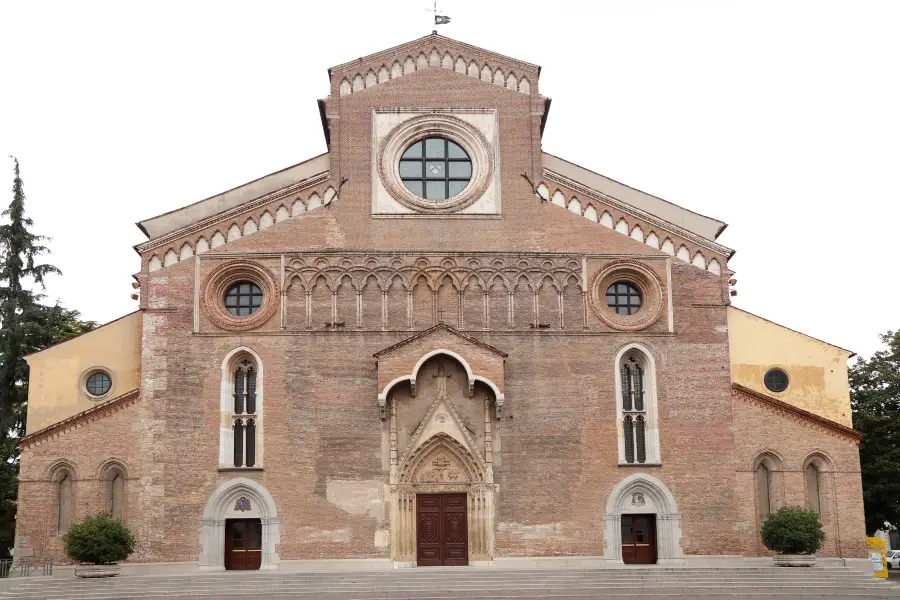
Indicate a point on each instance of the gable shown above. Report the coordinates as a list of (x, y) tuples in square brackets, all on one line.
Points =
[(433, 52), (284, 181), (817, 371)]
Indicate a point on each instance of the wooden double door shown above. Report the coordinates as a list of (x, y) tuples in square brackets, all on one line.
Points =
[(243, 544), (442, 530), (639, 539)]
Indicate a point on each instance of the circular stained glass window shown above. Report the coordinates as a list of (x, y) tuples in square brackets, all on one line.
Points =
[(623, 298), (435, 169), (776, 380), (98, 384), (243, 299)]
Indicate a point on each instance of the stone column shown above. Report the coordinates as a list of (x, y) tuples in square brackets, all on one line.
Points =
[(212, 544), (271, 537), (612, 536)]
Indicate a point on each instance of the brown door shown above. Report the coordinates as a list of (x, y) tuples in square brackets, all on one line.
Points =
[(639, 539), (243, 544), (441, 530)]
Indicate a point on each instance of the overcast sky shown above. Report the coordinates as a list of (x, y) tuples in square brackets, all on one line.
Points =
[(780, 118)]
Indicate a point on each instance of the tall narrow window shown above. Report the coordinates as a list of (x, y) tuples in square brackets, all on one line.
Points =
[(635, 417), (813, 498), (764, 499), (114, 480), (629, 439), (239, 448), (238, 443), (251, 391), (65, 500), (117, 496), (250, 437), (239, 391)]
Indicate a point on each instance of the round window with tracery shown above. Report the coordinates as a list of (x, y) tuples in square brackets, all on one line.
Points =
[(435, 168), (623, 297), (243, 299), (98, 383)]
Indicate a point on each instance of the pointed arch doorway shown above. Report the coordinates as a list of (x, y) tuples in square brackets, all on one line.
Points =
[(441, 412)]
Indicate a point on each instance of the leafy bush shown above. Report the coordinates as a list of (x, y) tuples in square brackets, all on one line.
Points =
[(99, 540), (793, 530)]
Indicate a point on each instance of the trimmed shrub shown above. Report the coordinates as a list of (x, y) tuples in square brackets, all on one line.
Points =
[(99, 540), (793, 530)]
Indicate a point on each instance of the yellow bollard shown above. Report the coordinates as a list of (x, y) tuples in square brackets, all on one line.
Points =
[(876, 549)]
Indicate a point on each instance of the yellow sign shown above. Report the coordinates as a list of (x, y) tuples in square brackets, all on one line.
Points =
[(876, 549)]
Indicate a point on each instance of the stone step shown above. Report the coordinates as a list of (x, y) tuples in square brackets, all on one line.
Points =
[(562, 594), (594, 591), (463, 582), (76, 585)]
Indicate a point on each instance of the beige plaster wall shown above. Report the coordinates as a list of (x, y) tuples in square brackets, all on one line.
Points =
[(56, 391), (817, 371)]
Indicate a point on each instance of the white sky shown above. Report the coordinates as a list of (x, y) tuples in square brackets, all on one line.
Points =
[(778, 117)]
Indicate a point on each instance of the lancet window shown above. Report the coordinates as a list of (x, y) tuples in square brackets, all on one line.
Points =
[(114, 483), (635, 379), (244, 417), (63, 482), (242, 408)]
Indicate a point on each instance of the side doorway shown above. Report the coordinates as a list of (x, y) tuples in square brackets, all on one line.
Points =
[(243, 544), (639, 539), (442, 530)]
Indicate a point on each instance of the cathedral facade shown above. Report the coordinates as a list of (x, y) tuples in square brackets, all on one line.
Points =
[(437, 344)]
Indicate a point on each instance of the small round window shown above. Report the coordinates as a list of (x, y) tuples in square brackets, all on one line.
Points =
[(243, 299), (435, 169), (623, 298), (98, 383), (776, 380)]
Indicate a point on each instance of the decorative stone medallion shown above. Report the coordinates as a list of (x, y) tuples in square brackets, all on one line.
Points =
[(637, 274), (242, 504), (461, 132), (637, 499), (226, 275)]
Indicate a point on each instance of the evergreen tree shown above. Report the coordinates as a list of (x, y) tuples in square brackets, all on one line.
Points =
[(19, 250), (875, 400), (25, 326)]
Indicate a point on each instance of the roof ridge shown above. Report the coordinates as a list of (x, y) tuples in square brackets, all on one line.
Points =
[(93, 413), (419, 40), (660, 198), (806, 335), (798, 412)]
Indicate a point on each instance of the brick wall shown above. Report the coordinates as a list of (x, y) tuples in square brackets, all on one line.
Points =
[(556, 445)]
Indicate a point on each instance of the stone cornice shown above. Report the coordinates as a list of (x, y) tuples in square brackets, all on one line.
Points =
[(803, 415), (638, 213), (239, 210), (439, 327), (86, 416)]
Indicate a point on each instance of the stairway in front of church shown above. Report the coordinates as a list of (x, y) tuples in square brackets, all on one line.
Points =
[(470, 582)]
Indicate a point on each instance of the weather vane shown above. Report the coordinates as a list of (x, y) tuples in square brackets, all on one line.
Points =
[(438, 19)]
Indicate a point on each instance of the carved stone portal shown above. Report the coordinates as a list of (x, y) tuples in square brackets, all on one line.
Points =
[(442, 456)]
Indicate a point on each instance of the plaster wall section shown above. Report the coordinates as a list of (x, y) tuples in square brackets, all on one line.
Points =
[(56, 380), (817, 371)]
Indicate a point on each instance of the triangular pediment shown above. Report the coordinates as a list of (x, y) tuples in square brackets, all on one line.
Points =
[(423, 336), (433, 52), (442, 450)]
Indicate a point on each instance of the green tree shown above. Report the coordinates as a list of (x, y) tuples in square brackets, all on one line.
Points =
[(875, 400), (99, 540), (792, 530), (19, 251), (25, 326)]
